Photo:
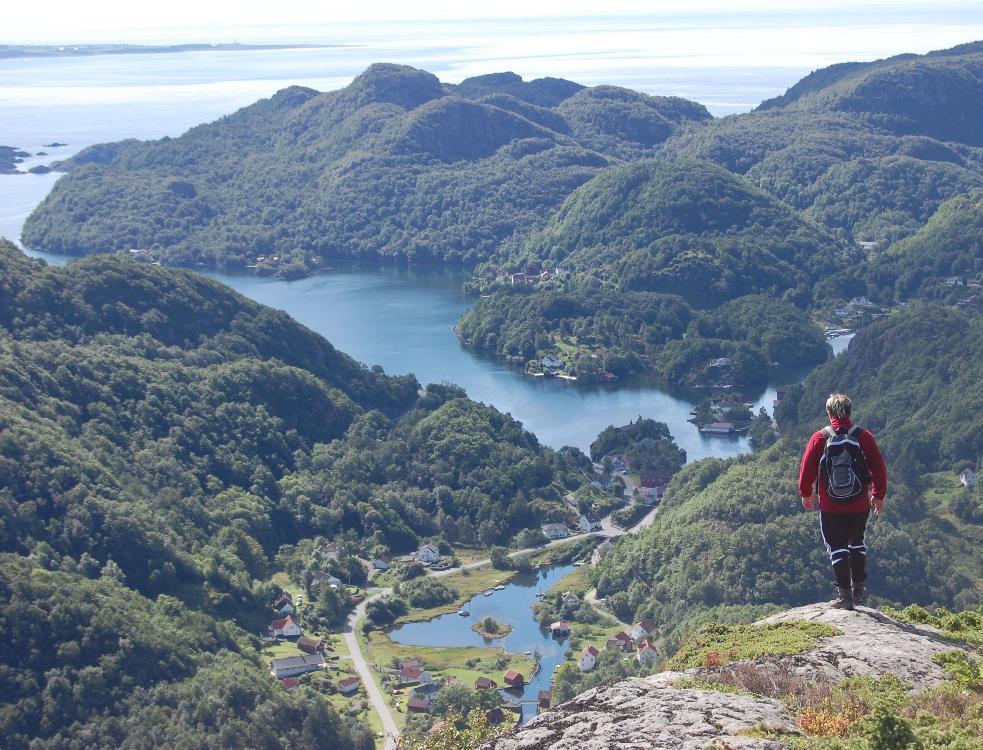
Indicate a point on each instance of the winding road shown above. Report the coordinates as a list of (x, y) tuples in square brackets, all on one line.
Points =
[(365, 672)]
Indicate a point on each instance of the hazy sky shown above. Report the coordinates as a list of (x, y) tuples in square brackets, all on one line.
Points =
[(254, 21)]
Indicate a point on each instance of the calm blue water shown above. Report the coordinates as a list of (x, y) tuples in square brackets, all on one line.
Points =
[(403, 319), (513, 606)]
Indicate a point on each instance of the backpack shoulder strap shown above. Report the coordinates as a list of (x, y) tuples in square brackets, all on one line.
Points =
[(828, 431), (853, 429)]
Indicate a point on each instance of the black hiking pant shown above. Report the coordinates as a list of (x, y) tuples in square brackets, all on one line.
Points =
[(843, 535)]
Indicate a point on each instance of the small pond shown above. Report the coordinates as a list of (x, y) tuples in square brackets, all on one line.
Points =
[(512, 606)]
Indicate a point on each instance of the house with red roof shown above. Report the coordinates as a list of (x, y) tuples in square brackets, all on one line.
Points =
[(545, 697), (560, 629), (642, 629), (310, 645), (647, 653), (588, 659), (417, 706), (514, 678), (349, 686), (289, 683), (286, 628)]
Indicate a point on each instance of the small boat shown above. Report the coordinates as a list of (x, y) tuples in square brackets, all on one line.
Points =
[(463, 613), (489, 592), (540, 594), (499, 588)]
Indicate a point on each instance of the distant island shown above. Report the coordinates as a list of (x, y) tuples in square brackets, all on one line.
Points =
[(77, 50)]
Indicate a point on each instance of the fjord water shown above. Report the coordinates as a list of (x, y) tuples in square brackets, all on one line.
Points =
[(398, 318), (513, 607)]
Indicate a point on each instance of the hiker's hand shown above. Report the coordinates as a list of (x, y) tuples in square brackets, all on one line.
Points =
[(808, 502), (877, 503)]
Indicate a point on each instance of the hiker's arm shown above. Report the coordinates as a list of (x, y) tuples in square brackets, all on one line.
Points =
[(808, 470), (878, 471)]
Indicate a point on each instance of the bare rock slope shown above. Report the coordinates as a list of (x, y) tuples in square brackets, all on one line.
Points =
[(658, 713)]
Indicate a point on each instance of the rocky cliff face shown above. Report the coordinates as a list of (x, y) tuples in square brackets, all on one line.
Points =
[(671, 711)]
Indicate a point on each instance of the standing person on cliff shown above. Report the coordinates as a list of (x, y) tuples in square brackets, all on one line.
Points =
[(852, 479)]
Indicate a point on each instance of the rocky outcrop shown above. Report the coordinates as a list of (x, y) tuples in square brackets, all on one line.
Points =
[(664, 711)]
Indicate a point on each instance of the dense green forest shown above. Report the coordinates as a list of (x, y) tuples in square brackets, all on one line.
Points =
[(395, 165), (732, 534), (166, 445), (884, 154)]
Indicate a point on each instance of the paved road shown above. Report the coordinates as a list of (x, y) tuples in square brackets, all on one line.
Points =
[(376, 698)]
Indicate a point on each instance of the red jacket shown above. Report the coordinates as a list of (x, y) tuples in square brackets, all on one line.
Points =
[(809, 470)]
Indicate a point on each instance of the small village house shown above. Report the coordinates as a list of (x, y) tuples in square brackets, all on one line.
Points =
[(417, 706), (647, 653), (426, 691), (555, 530), (289, 683), (310, 645), (409, 675), (411, 662), (588, 659), (330, 551), (552, 362), (642, 629), (560, 629), (483, 683), (349, 686), (967, 477), (514, 678), (590, 522), (291, 666), (285, 628), (545, 698), (428, 554), (284, 604), (383, 562)]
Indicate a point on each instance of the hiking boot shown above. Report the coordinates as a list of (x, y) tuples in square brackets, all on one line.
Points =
[(844, 598), (859, 593)]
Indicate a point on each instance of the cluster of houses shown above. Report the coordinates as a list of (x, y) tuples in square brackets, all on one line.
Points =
[(424, 688), (530, 275), (311, 658), (637, 640), (586, 523)]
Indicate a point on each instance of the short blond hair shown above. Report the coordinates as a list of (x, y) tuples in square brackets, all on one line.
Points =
[(839, 405)]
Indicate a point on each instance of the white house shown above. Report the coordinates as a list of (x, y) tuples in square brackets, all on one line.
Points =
[(642, 629), (294, 665), (284, 604), (382, 562), (551, 362), (647, 653), (588, 659), (555, 531), (286, 628), (590, 522), (967, 477), (428, 553)]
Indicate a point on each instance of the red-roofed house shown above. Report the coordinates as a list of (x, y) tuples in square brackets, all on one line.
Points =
[(560, 629), (545, 697), (289, 683), (310, 645), (417, 705), (413, 674), (588, 659), (284, 604), (642, 629), (647, 653), (515, 679), (286, 628), (348, 686)]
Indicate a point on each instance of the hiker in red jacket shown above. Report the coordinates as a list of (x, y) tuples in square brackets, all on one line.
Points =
[(852, 479)]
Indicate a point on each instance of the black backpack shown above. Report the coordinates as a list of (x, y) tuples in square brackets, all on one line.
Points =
[(843, 466)]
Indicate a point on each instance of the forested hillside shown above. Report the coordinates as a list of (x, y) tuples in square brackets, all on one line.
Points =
[(163, 440), (733, 535), (395, 165), (861, 180)]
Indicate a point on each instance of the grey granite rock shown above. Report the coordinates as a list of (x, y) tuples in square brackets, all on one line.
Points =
[(871, 643), (652, 713)]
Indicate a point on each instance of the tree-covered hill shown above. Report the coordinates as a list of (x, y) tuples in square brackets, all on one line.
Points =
[(732, 534), (633, 238), (394, 165), (939, 260), (870, 150)]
